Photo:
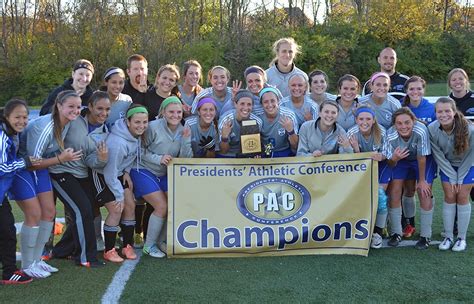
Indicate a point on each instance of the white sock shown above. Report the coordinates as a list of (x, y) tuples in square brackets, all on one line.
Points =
[(28, 237), (464, 216), (395, 215), (163, 234), (45, 230), (409, 208), (426, 220), (381, 220), (449, 212), (154, 228)]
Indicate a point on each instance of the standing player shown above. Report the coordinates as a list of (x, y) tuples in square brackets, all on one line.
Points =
[(349, 87), (282, 66), (458, 82), (452, 138), (114, 79), (387, 60), (137, 83), (406, 149), (318, 85), (192, 73)]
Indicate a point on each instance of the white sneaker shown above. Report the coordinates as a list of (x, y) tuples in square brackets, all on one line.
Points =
[(153, 251), (460, 245), (376, 242), (46, 267), (100, 244), (36, 272), (445, 244)]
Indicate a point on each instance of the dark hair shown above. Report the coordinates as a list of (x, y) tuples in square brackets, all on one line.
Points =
[(186, 67), (60, 99), (348, 77), (402, 111), (83, 64), (461, 127), (328, 102), (135, 57), (412, 79), (132, 106), (96, 96), (112, 71), (316, 73), (7, 110)]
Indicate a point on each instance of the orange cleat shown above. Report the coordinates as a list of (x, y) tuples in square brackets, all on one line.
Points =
[(408, 231), (112, 256), (129, 253)]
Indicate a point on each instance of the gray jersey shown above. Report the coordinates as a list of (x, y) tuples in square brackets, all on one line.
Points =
[(418, 144), (327, 96), (308, 106), (442, 148), (197, 134), (160, 140), (346, 119), (383, 112), (280, 80), (311, 139), (273, 131), (118, 109), (234, 137), (367, 144)]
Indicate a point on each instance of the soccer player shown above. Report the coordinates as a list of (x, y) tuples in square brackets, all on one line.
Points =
[(349, 87), (318, 85), (114, 80), (452, 138), (190, 88), (406, 148), (458, 82)]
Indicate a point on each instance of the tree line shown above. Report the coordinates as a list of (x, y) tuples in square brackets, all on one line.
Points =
[(41, 38)]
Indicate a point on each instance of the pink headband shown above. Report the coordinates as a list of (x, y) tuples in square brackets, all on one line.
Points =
[(377, 75)]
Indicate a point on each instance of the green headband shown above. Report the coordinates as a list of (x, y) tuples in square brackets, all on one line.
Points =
[(136, 110), (168, 100)]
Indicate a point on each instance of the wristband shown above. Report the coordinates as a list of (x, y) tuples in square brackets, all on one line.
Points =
[(60, 162), (291, 132), (225, 139)]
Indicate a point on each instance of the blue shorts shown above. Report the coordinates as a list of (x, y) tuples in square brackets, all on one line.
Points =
[(145, 182), (23, 186), (385, 172), (408, 170), (469, 179)]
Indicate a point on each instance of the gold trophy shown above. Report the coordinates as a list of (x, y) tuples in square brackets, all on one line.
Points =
[(250, 138)]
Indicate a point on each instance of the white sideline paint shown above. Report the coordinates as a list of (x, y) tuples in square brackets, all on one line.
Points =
[(116, 287)]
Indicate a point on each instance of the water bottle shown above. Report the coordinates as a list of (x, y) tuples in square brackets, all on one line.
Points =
[(382, 208)]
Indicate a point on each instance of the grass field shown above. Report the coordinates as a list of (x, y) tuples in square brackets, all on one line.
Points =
[(387, 275)]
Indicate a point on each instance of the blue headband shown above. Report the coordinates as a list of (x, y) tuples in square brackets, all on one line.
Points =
[(266, 90), (365, 110)]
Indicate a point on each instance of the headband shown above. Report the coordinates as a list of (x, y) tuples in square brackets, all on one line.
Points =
[(266, 90), (377, 75), (242, 94), (169, 100), (83, 65), (206, 100), (254, 69), (136, 110), (112, 71), (365, 110)]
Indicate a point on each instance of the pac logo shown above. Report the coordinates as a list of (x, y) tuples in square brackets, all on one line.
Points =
[(273, 201)]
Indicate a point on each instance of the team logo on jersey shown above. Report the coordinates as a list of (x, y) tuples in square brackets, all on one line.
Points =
[(273, 201), (388, 116), (281, 132), (122, 114)]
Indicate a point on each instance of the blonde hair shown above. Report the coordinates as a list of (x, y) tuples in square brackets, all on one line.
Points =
[(459, 70), (277, 44)]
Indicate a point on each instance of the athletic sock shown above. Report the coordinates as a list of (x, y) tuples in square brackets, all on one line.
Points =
[(464, 215), (395, 215), (449, 212), (426, 221), (154, 228), (409, 208), (127, 227), (381, 220), (110, 236), (44, 233), (163, 233), (139, 209), (28, 238), (98, 227)]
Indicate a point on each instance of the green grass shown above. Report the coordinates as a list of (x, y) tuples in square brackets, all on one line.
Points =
[(387, 275)]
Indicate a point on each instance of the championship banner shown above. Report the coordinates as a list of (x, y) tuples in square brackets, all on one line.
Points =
[(277, 206)]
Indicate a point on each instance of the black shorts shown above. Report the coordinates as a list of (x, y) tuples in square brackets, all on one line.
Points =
[(102, 192)]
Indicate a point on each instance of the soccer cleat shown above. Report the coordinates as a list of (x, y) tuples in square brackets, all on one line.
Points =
[(460, 245), (423, 243), (112, 256), (47, 254), (36, 272), (445, 244), (162, 246), (394, 240), (408, 231), (129, 253), (93, 264), (100, 244), (376, 242), (17, 278), (46, 267), (138, 240), (385, 233), (153, 251)]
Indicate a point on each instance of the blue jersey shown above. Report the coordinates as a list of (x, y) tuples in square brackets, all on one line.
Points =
[(425, 111)]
